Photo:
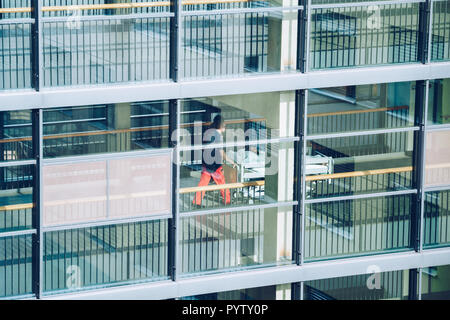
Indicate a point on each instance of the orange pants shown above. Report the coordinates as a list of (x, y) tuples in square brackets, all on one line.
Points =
[(219, 178)]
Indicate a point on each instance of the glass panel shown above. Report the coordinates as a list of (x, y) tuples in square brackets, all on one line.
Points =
[(82, 258), (437, 158), (15, 46), (15, 265), (359, 108), (278, 292), (235, 240), (361, 35), (228, 43), (392, 285), (16, 198), (105, 128), (250, 175), (247, 117), (436, 283), (15, 135), (97, 190), (437, 218), (118, 49), (440, 49), (359, 165), (359, 226), (439, 102)]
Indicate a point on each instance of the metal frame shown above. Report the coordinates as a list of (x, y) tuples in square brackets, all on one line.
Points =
[(175, 90), (37, 219)]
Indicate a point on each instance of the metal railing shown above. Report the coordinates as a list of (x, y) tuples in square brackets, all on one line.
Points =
[(359, 120), (440, 42), (355, 288), (437, 218), (354, 36), (104, 255), (15, 265), (358, 226), (221, 241), (241, 194), (358, 182)]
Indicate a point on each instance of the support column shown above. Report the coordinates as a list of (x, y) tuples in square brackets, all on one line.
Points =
[(119, 117), (413, 284), (174, 138), (424, 16), (282, 39), (36, 46), (419, 166), (175, 40), (37, 238)]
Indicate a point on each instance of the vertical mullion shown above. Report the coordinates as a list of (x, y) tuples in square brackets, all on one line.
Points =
[(37, 255), (36, 46), (174, 121)]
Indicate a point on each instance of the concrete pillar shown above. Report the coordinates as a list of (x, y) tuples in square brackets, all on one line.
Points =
[(119, 117), (282, 41)]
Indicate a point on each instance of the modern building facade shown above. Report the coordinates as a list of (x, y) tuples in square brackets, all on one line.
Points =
[(337, 121)]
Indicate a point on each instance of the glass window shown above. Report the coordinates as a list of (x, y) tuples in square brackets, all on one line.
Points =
[(441, 31), (439, 102), (102, 189), (227, 43), (234, 240), (437, 158), (436, 283), (247, 117), (105, 255), (16, 198), (105, 128), (15, 46), (359, 164), (391, 285), (362, 35), (15, 135), (437, 218), (352, 227), (108, 50), (15, 265), (236, 176), (359, 108)]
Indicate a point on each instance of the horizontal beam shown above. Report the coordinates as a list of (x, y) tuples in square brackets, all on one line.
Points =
[(150, 91), (266, 276)]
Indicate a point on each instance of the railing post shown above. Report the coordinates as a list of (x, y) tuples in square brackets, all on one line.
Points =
[(37, 240), (36, 45), (173, 222), (175, 40)]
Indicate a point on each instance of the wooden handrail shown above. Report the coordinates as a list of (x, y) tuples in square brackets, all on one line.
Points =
[(357, 173), (11, 207), (132, 5), (338, 113), (259, 183), (96, 133)]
